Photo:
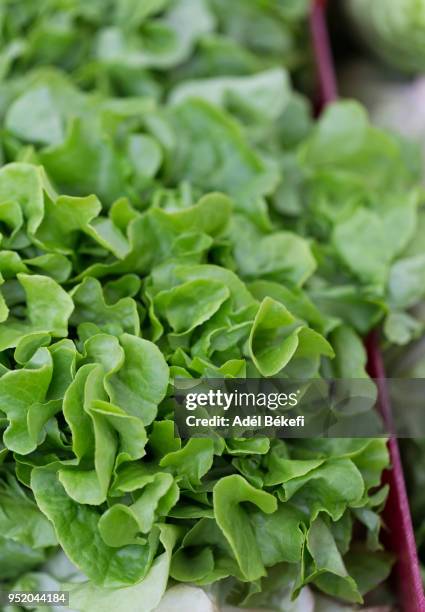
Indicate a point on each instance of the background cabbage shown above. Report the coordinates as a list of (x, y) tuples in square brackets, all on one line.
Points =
[(394, 30)]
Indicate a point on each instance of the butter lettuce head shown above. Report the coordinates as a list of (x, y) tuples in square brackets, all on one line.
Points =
[(102, 308)]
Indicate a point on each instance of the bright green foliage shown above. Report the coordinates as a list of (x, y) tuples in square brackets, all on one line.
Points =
[(156, 225), (88, 419)]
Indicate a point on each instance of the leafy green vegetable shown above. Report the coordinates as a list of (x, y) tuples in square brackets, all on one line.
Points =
[(395, 35), (169, 208)]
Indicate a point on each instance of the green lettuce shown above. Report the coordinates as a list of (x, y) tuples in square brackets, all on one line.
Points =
[(89, 420), (169, 208)]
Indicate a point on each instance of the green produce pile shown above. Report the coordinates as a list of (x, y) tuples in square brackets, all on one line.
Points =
[(213, 230), (140, 48)]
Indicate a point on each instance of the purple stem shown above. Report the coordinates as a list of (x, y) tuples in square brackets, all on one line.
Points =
[(328, 91), (401, 537)]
